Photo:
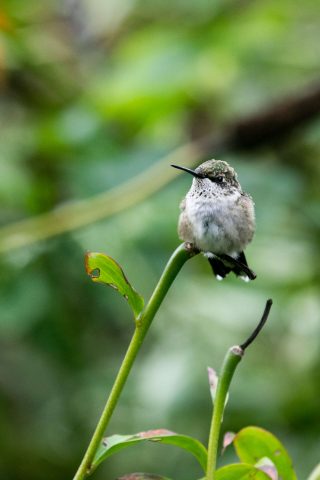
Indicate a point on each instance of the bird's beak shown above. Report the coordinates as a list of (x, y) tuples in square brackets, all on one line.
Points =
[(188, 170)]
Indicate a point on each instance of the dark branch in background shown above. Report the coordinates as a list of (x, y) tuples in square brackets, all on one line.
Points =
[(269, 125), (259, 327), (278, 121)]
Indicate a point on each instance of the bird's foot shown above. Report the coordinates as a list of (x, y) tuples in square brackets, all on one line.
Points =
[(191, 248)]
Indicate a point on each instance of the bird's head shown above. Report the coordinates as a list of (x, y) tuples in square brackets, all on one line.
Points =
[(216, 173)]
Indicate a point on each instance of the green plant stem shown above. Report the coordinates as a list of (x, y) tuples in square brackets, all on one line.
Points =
[(230, 363), (177, 260)]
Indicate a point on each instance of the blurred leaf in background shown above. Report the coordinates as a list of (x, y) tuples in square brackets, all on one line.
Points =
[(92, 94)]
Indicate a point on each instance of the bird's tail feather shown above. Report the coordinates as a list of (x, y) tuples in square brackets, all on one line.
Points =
[(219, 269), (224, 264)]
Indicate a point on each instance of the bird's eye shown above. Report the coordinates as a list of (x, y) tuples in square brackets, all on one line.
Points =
[(218, 179)]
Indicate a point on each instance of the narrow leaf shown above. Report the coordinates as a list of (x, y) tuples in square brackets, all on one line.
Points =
[(213, 385), (103, 269), (213, 382), (240, 471), (142, 476), (227, 440), (115, 443), (315, 474), (253, 443), (267, 466)]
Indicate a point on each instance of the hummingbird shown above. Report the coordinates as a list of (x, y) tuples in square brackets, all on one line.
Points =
[(217, 218)]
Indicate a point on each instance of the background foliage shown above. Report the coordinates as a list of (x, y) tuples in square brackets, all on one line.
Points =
[(93, 93)]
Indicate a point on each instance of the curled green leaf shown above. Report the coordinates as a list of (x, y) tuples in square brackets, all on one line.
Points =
[(103, 269), (253, 444), (115, 443)]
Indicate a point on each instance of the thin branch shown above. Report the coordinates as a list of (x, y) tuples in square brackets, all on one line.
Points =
[(272, 124), (259, 327), (232, 359)]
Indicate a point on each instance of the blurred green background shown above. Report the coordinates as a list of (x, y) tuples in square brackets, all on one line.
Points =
[(92, 94)]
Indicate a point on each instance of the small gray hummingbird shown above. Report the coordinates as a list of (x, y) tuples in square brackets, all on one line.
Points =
[(217, 218)]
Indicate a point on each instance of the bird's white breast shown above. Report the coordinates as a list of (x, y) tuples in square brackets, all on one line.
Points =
[(216, 222)]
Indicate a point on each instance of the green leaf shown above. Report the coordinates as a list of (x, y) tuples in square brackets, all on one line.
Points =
[(315, 474), (115, 443), (240, 471), (253, 443), (103, 269), (142, 476)]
